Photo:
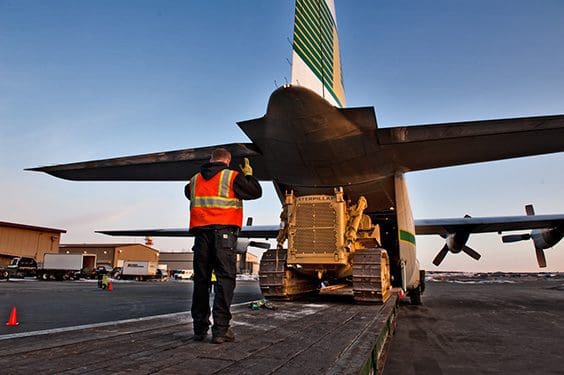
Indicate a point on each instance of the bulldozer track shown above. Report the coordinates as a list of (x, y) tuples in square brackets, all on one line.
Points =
[(371, 276), (277, 281)]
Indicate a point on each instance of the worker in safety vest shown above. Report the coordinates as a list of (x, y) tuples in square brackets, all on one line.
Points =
[(216, 216)]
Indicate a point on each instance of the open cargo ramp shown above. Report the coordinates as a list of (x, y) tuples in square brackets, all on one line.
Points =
[(330, 335)]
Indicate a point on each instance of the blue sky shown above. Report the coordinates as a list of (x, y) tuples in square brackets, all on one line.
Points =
[(88, 80)]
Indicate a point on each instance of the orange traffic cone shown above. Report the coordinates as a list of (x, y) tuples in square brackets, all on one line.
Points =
[(13, 321), (110, 286)]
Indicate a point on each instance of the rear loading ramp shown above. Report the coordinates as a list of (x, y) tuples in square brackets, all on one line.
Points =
[(331, 335)]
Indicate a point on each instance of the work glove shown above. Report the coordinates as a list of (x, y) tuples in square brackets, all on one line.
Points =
[(246, 169)]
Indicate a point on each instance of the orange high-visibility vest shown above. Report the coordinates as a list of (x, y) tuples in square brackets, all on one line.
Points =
[(213, 201)]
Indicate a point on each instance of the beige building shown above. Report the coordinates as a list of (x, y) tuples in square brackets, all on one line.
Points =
[(113, 254), (20, 240), (250, 266)]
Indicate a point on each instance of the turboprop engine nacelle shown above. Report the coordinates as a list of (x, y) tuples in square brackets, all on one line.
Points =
[(542, 238), (455, 243), (546, 238)]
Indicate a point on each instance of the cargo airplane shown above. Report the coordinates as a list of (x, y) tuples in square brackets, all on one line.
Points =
[(311, 146)]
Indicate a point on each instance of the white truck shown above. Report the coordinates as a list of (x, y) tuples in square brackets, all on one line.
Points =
[(138, 270), (65, 266)]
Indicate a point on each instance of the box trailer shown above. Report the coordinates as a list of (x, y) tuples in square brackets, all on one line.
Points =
[(65, 266), (137, 270)]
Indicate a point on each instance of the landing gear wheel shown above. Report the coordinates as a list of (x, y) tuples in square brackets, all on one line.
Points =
[(415, 296), (422, 281)]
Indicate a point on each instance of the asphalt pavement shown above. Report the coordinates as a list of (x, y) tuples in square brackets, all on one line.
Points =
[(491, 325), (44, 305)]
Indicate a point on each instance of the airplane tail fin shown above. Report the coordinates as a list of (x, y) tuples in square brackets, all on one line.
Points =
[(316, 60)]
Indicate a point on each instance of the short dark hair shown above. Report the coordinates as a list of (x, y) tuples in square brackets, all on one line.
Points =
[(220, 154)]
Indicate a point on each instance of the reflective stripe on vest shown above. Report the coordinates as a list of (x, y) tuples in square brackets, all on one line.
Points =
[(213, 201), (216, 202)]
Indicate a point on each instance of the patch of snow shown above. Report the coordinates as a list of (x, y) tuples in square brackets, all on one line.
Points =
[(246, 276), (481, 281)]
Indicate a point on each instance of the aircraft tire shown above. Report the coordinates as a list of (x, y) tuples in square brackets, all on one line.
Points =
[(422, 281), (415, 296)]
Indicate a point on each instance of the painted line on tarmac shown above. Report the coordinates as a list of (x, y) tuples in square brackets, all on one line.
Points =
[(97, 325)]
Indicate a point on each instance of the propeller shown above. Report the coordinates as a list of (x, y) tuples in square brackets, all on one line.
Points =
[(538, 241), (542, 238), (541, 259), (455, 243), (441, 255), (539, 247), (473, 253)]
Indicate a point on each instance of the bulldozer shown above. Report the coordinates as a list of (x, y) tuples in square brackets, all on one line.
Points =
[(329, 241)]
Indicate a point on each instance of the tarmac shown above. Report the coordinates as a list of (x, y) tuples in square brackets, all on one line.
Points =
[(482, 324), (469, 324)]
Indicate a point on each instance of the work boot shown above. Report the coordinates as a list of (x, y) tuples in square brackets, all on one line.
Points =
[(228, 337), (200, 337)]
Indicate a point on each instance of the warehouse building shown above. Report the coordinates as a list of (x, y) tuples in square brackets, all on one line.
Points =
[(20, 240), (176, 261), (183, 261), (113, 254)]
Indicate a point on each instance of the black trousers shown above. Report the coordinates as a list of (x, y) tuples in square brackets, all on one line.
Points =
[(214, 250)]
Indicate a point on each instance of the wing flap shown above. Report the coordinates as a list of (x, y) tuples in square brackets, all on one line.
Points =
[(177, 165)]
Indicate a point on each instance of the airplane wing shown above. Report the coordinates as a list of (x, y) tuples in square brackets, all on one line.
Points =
[(422, 226), (178, 165), (547, 232), (442, 145), (254, 231), (455, 231), (487, 224)]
